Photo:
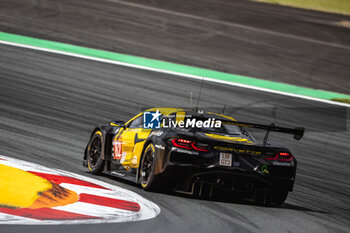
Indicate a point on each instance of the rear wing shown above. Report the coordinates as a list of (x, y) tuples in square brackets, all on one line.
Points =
[(297, 132)]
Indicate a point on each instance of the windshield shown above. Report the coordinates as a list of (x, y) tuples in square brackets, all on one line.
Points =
[(207, 125), (224, 129)]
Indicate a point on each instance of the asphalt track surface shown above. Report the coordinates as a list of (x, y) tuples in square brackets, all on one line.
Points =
[(301, 47), (50, 103)]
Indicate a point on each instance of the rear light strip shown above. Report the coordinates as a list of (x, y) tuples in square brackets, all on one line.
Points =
[(176, 142), (197, 148), (186, 144), (281, 156)]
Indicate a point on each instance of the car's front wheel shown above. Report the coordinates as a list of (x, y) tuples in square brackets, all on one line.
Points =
[(94, 161)]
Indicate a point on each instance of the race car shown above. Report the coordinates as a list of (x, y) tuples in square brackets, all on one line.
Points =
[(194, 152)]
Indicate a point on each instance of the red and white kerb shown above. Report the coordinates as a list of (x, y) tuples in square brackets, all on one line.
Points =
[(99, 202)]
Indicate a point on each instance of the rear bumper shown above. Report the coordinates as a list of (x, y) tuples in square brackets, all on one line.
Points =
[(185, 176)]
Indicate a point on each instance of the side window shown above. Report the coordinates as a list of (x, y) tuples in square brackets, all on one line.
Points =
[(137, 123)]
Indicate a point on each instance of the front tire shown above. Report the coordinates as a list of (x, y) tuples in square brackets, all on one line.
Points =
[(94, 161)]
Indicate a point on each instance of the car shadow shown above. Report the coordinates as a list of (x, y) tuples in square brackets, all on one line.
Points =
[(287, 205), (238, 200), (226, 198)]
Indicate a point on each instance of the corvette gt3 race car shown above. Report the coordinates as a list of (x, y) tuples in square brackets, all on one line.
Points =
[(194, 152)]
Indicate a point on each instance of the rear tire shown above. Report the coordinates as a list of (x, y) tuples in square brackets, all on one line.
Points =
[(279, 196), (94, 161), (275, 197), (148, 179)]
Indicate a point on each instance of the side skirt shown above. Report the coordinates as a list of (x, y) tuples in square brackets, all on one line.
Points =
[(122, 175)]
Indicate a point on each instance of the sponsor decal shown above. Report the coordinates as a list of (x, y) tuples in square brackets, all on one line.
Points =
[(157, 133), (264, 170), (65, 198), (134, 160), (237, 150), (117, 173), (151, 120), (159, 147), (180, 150), (122, 159)]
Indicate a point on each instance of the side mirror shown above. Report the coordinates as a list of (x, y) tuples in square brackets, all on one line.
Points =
[(118, 123)]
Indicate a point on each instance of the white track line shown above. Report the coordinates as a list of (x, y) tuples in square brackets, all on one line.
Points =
[(96, 210), (173, 73), (17, 219)]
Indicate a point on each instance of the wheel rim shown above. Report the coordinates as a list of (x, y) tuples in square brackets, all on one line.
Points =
[(95, 151), (147, 166)]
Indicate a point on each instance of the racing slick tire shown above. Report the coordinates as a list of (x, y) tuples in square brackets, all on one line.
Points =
[(94, 161), (148, 180), (275, 197), (279, 196)]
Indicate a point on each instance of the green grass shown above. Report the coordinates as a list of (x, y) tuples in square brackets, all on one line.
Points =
[(342, 100), (335, 6), (178, 68)]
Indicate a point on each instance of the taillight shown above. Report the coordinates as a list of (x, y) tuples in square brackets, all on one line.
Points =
[(281, 156), (272, 158), (180, 140), (188, 144), (199, 146), (284, 156), (182, 143)]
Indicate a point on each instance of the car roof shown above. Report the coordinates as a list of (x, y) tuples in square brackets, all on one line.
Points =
[(168, 111)]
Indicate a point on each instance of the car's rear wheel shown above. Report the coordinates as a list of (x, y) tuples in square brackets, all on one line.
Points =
[(147, 169), (279, 196), (94, 160), (275, 197)]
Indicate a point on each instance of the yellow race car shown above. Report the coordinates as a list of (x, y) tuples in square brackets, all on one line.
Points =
[(194, 152)]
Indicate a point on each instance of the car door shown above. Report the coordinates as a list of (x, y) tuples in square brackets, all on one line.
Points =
[(128, 145)]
